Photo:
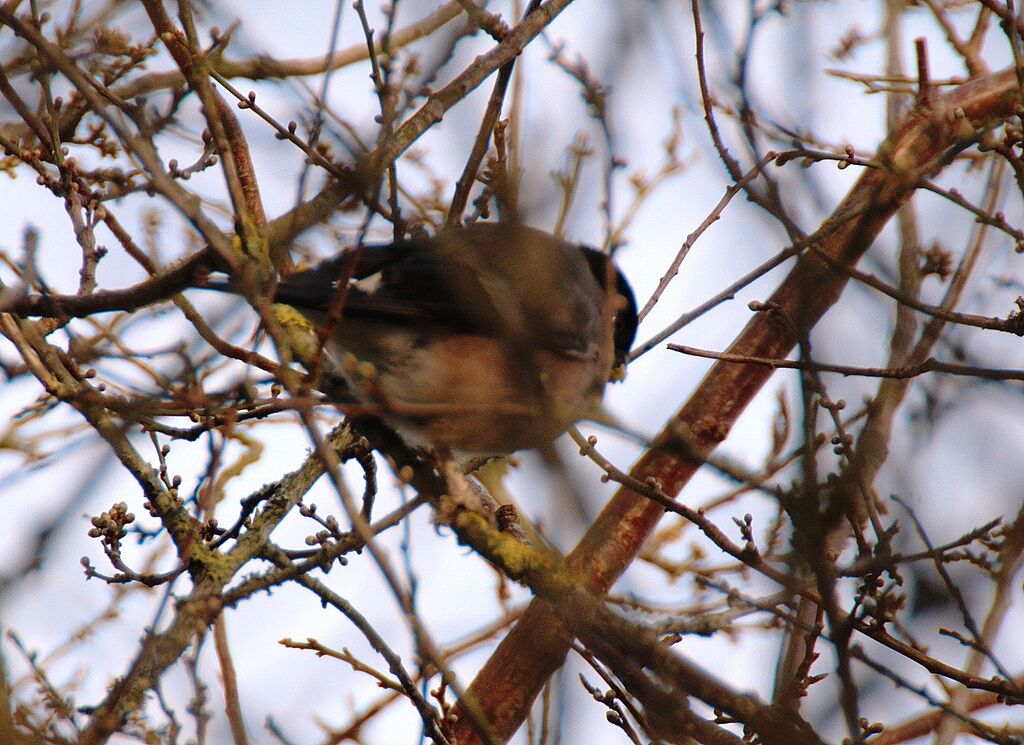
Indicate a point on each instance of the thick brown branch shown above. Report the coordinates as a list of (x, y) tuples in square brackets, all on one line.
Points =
[(155, 289), (506, 686)]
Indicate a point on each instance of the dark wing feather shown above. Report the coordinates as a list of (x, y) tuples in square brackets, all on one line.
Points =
[(465, 280), (405, 280)]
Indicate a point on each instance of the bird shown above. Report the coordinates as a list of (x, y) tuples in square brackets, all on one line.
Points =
[(482, 340)]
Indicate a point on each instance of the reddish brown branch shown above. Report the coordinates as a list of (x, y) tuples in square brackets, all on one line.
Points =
[(535, 648)]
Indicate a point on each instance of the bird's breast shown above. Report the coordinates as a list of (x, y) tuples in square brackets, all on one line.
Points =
[(472, 394)]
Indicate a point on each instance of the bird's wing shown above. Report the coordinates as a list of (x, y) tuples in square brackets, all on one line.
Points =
[(386, 282), (465, 284), (492, 279)]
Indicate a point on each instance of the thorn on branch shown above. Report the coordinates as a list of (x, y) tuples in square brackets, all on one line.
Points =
[(924, 84)]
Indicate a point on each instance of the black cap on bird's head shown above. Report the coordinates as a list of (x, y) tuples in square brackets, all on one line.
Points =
[(626, 319)]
